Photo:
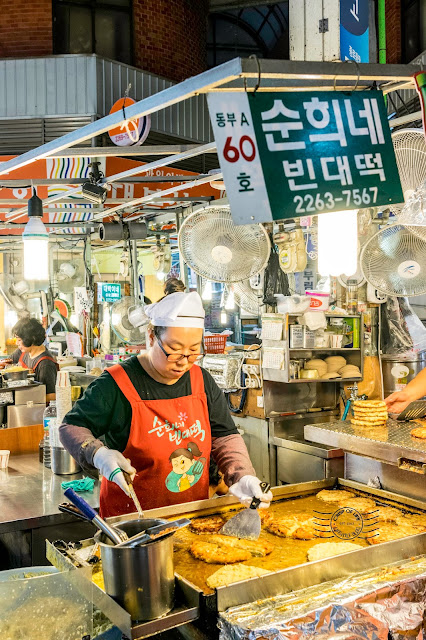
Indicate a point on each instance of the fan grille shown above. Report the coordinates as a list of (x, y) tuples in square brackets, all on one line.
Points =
[(121, 324), (219, 250), (410, 152), (246, 297), (393, 262)]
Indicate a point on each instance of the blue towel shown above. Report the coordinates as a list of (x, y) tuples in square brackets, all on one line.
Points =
[(79, 486)]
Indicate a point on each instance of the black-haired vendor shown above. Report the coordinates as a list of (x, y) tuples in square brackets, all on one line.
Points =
[(160, 417), (32, 354)]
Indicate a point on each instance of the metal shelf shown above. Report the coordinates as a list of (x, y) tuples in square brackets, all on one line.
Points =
[(325, 349), (281, 375)]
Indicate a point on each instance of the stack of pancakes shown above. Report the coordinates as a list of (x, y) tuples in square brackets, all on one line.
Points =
[(369, 413)]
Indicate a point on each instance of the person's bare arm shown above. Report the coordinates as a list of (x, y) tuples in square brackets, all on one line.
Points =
[(414, 390)]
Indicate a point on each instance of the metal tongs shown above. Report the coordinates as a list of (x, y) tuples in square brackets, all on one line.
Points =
[(86, 512), (154, 533), (81, 509)]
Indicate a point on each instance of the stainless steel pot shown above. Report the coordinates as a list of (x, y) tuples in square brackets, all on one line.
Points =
[(62, 463), (15, 375), (140, 579), (398, 372)]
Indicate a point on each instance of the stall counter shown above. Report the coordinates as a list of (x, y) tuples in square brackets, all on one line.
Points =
[(29, 498)]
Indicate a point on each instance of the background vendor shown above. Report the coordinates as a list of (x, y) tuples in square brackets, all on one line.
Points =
[(32, 354), (161, 417)]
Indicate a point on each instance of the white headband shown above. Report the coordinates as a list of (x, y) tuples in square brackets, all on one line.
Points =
[(177, 310)]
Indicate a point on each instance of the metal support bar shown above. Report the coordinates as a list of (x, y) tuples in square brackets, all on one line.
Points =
[(125, 174), (16, 184), (135, 274), (166, 98), (182, 264), (410, 117), (151, 197), (145, 150)]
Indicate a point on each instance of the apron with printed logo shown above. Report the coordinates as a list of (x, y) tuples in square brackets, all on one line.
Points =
[(169, 445)]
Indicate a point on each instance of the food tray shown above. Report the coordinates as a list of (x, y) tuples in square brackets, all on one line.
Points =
[(204, 604), (389, 443)]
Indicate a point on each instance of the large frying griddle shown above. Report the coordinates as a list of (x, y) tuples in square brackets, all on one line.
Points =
[(195, 605)]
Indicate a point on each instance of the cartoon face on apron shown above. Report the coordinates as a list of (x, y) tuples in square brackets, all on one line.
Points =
[(169, 445)]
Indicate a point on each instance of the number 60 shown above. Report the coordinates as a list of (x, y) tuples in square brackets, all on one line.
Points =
[(232, 154)]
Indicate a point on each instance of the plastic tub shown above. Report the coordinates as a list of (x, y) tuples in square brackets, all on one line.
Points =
[(319, 300), (4, 458)]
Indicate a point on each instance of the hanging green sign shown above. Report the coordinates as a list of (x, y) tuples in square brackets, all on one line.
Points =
[(286, 155), (109, 291)]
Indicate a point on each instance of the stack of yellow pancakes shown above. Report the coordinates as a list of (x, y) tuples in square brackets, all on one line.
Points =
[(369, 413)]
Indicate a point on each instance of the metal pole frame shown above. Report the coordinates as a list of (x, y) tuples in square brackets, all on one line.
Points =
[(240, 74), (235, 75)]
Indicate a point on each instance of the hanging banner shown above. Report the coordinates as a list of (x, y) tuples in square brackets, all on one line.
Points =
[(354, 31), (287, 155)]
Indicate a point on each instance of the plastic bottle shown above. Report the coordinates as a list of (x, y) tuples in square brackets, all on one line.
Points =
[(352, 296), (49, 417)]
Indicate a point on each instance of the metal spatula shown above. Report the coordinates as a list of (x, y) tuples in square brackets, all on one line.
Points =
[(414, 410), (246, 524)]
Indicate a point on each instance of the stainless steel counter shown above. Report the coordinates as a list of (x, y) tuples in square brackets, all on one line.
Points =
[(29, 498), (390, 443), (30, 494)]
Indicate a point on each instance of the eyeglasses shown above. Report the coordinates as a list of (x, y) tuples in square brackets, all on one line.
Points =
[(177, 357)]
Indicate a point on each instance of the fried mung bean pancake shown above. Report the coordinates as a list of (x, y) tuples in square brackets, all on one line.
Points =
[(214, 554), (257, 548), (327, 549), (233, 573), (299, 526), (209, 524), (362, 505), (336, 495), (390, 531), (386, 514), (418, 432)]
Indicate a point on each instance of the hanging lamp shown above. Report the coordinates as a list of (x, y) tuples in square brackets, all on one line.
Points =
[(36, 242)]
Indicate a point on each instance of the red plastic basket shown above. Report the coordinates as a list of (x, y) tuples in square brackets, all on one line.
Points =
[(215, 343)]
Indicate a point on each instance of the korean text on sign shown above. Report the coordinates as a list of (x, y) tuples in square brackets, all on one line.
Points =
[(291, 154), (332, 151)]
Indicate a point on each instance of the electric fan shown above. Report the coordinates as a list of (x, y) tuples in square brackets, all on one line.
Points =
[(393, 261), (246, 297), (68, 275), (121, 324), (410, 153), (219, 250)]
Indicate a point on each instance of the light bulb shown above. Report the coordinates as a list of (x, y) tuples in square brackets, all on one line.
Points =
[(207, 291), (223, 317), (161, 275), (337, 243), (36, 259), (230, 302), (36, 250)]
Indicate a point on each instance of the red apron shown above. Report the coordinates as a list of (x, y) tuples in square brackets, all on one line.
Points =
[(169, 445), (22, 363)]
